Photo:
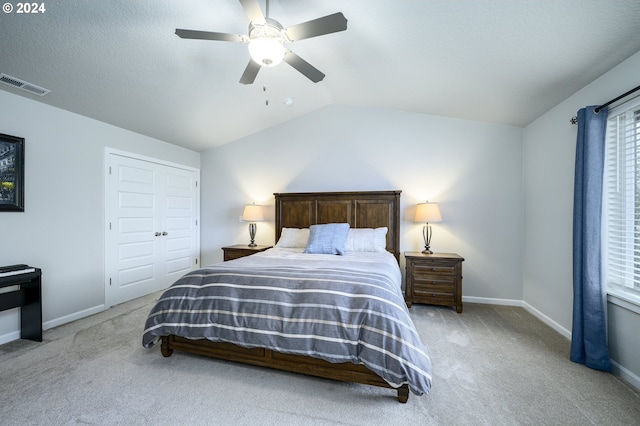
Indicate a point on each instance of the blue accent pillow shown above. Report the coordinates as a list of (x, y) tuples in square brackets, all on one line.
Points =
[(329, 238)]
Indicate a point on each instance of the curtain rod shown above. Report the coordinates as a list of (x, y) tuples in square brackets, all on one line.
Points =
[(574, 119), (624, 95)]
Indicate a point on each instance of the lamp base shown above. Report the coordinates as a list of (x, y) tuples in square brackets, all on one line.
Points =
[(426, 233), (252, 234)]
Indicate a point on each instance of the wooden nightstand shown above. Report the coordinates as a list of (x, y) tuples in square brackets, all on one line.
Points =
[(241, 250), (435, 279)]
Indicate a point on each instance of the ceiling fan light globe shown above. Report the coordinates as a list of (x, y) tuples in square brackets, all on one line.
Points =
[(267, 52)]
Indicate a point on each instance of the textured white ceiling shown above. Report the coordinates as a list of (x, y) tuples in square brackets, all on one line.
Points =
[(500, 61)]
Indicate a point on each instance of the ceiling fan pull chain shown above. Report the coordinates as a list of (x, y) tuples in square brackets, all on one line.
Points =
[(264, 87)]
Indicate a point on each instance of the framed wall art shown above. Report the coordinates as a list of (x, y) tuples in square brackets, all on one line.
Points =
[(11, 173)]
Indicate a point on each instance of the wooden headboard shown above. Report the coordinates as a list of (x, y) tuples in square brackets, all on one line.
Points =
[(365, 209)]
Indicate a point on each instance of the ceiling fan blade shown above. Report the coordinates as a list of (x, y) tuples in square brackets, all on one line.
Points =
[(207, 35), (317, 27), (304, 67), (250, 73), (253, 11)]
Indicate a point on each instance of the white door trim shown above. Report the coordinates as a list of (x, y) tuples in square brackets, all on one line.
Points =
[(109, 151)]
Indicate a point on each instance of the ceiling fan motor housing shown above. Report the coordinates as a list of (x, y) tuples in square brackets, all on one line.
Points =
[(271, 29)]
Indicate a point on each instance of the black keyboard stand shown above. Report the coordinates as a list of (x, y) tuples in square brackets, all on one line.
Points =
[(28, 298)]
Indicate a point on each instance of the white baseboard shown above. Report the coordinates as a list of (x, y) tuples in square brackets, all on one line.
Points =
[(521, 303), (545, 319), (15, 335), (72, 317), (492, 301), (9, 337), (625, 374)]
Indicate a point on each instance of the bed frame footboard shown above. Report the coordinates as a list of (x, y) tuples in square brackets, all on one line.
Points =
[(262, 357)]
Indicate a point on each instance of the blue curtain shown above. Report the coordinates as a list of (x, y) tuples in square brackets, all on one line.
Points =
[(589, 331)]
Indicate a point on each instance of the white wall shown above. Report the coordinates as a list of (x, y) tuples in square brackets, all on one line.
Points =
[(473, 169), (549, 161), (61, 229)]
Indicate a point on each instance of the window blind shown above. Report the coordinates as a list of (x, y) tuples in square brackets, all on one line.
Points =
[(622, 197)]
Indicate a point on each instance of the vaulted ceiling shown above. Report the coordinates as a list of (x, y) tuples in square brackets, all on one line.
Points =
[(500, 61)]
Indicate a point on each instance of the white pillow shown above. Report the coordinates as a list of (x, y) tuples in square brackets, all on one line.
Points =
[(366, 240), (293, 238)]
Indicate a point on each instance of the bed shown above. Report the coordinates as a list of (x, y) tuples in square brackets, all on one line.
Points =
[(338, 317)]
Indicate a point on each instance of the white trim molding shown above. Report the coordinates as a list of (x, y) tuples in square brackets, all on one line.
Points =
[(521, 303), (545, 319), (9, 337), (15, 335), (627, 300), (619, 371), (73, 317), (492, 301)]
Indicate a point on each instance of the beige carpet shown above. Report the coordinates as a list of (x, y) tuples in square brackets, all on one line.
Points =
[(493, 365)]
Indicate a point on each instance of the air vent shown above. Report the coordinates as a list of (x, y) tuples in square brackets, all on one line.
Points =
[(24, 85)]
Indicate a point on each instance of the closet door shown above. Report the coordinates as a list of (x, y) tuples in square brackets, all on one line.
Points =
[(179, 235), (152, 236)]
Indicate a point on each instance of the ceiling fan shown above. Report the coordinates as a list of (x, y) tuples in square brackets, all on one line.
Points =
[(267, 38)]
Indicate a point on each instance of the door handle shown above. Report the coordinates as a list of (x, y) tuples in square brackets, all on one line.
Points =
[(157, 234), (165, 233)]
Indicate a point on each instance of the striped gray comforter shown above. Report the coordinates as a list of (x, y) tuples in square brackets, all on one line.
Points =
[(337, 308)]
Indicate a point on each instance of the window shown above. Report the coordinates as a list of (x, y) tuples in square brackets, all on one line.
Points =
[(621, 237)]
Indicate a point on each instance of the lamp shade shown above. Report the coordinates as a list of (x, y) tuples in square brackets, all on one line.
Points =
[(428, 212), (252, 213)]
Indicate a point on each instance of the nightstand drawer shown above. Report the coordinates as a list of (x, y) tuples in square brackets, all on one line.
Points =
[(446, 299), (434, 286), (434, 273), (441, 270)]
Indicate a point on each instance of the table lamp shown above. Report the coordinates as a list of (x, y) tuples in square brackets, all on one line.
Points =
[(427, 212), (252, 213)]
